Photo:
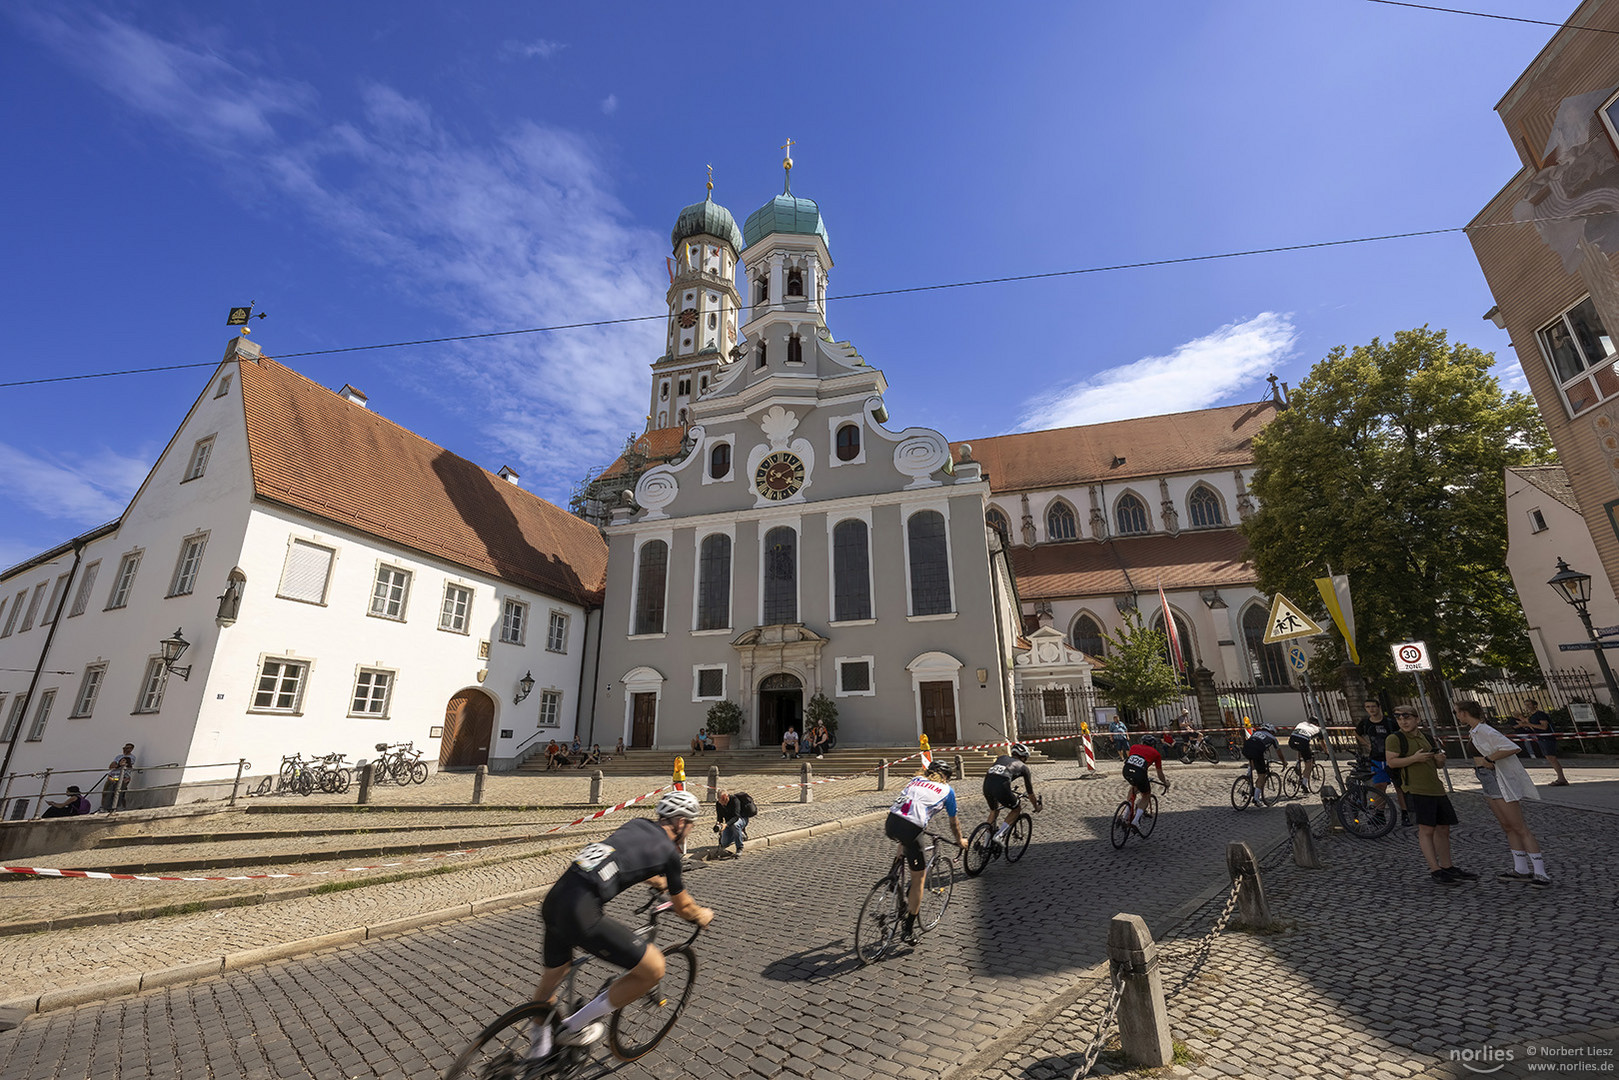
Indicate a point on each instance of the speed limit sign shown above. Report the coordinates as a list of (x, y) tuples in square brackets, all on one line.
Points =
[(1412, 656)]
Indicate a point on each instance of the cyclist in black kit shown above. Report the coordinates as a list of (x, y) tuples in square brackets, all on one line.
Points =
[(638, 851), (998, 787)]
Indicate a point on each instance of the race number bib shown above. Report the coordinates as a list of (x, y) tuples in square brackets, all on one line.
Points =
[(597, 859), (997, 770), (1136, 761)]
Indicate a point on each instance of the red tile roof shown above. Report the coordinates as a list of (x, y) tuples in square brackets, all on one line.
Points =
[(1192, 560), (1150, 446), (658, 445), (313, 451)]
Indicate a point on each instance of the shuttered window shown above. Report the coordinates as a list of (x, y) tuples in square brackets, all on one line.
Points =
[(307, 570)]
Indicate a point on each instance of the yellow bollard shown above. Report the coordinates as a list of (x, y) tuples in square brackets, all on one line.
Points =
[(680, 774)]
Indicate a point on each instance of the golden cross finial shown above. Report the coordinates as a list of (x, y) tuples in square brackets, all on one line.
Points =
[(787, 163), (711, 178)]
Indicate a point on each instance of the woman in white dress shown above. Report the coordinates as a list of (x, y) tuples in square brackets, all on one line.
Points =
[(1506, 783)]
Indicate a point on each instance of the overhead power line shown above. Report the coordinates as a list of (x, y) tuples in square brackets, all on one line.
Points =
[(969, 284), (1492, 15)]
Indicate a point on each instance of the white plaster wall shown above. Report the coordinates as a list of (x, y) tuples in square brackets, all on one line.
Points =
[(1532, 561)]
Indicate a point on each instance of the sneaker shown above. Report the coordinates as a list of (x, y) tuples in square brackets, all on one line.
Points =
[(908, 933), (1405, 817), (1513, 875), (1539, 881), (590, 1033), (1558, 783), (1444, 877), (1461, 875)]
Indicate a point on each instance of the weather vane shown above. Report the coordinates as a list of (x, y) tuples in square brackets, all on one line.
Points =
[(240, 315), (711, 180)]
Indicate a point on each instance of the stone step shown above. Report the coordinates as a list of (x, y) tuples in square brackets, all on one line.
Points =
[(840, 762)]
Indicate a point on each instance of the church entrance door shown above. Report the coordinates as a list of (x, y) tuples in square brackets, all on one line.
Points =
[(643, 720), (469, 720), (781, 706), (938, 712)]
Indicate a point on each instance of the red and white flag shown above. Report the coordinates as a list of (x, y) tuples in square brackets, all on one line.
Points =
[(1175, 654)]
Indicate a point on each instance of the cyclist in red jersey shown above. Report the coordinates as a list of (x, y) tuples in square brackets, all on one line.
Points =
[(1136, 763)]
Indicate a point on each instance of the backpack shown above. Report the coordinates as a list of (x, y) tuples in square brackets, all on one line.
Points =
[(744, 805)]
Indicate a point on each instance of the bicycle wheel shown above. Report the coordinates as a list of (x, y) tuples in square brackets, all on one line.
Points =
[(980, 850), (1242, 793), (1150, 818), (288, 771), (1121, 824), (879, 919), (1318, 775), (1366, 812), (381, 771), (304, 782), (941, 880), (499, 1050), (401, 773), (1290, 783), (342, 780), (262, 787), (641, 1025), (1208, 753), (1017, 841), (418, 773)]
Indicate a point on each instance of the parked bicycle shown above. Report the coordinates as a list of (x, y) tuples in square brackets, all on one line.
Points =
[(1300, 778), (294, 778), (402, 763), (883, 913), (500, 1051), (1363, 810), (1124, 825), (331, 775), (983, 848)]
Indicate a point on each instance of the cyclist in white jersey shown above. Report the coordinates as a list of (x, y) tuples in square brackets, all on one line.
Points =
[(923, 797)]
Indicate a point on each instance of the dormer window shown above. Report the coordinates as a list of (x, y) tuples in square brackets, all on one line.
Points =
[(795, 283), (764, 359), (795, 350)]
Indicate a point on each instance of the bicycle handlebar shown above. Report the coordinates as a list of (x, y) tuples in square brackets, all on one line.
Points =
[(654, 907)]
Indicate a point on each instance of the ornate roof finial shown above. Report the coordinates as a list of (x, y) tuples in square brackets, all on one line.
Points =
[(787, 166), (711, 183)]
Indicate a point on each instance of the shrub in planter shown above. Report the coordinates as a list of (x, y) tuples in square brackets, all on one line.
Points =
[(823, 710), (724, 720)]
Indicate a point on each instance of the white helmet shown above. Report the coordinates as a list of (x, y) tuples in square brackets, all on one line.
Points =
[(678, 804)]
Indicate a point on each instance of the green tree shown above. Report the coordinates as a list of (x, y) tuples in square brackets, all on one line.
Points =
[(1388, 465), (1138, 667)]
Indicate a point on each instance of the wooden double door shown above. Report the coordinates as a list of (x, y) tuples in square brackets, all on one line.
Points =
[(643, 719), (469, 721), (781, 706), (938, 712)]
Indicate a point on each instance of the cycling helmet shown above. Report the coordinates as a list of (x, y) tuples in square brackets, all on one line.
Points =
[(1268, 727), (1020, 751), (942, 768), (678, 804)]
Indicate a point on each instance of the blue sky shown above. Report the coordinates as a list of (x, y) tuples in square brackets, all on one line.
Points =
[(372, 173)]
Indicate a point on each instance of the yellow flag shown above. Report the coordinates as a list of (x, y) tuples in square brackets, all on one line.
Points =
[(1335, 594)]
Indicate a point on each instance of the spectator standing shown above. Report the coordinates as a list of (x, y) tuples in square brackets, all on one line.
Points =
[(120, 769), (732, 810), (789, 743), (73, 805), (1418, 761), (1121, 737), (1506, 783), (1373, 733), (1539, 726)]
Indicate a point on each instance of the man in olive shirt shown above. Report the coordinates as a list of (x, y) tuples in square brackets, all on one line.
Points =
[(1418, 761)]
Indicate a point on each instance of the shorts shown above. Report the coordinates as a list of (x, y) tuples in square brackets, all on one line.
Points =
[(905, 832), (1381, 773), (1488, 781), (1304, 748), (1431, 810), (999, 794), (1548, 745), (1139, 779), (573, 918), (1260, 765)]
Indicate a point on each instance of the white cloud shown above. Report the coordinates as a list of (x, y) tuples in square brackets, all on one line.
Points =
[(538, 49), (523, 231), (84, 490), (610, 104), (1196, 375)]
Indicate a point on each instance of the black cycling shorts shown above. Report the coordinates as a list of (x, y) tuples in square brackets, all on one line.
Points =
[(573, 918), (1139, 778), (1304, 748), (1261, 764), (906, 832), (999, 794)]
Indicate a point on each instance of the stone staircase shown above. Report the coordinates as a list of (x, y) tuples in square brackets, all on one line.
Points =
[(844, 761)]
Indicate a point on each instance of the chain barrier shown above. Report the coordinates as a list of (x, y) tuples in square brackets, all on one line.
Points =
[(1099, 1040)]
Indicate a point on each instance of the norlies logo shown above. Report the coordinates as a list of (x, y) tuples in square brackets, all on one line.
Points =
[(1486, 1059)]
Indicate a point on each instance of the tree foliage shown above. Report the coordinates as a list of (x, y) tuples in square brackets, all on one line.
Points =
[(1137, 667), (1388, 465)]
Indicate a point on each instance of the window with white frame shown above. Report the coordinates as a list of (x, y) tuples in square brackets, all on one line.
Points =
[(306, 573), (1575, 343), (854, 677), (41, 715), (550, 708), (709, 684), (81, 598), (14, 718), (390, 593), (1537, 521), (35, 602), (513, 621), (190, 561), (373, 687), (930, 563), (556, 633), (199, 459), (280, 685), (47, 616), (152, 685), (456, 610), (16, 610), (126, 580), (224, 385), (89, 690)]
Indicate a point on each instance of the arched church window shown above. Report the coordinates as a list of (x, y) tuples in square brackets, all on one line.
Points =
[(714, 583), (1061, 523), (1131, 514), (651, 580), (713, 320), (680, 417), (930, 563), (1203, 508), (719, 461), (781, 576), (851, 571), (702, 386), (663, 390), (1268, 662), (848, 442), (795, 349), (998, 522), (1086, 636), (795, 283)]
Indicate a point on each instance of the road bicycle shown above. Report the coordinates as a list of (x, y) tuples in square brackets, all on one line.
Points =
[(1362, 809), (402, 763), (983, 848), (1124, 825), (294, 778), (883, 913), (331, 776), (500, 1051), (1198, 748), (1299, 778), (1244, 793)]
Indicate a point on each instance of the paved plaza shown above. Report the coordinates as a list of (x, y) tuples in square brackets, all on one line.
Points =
[(1373, 971)]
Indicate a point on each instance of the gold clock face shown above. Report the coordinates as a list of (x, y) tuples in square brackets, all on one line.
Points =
[(779, 475), (688, 317)]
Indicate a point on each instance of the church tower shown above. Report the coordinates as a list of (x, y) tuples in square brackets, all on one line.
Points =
[(788, 256), (703, 309)]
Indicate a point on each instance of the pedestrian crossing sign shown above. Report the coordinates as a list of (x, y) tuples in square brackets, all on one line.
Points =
[(1286, 621)]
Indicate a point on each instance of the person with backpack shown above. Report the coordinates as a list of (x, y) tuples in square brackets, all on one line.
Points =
[(732, 809), (1417, 761)]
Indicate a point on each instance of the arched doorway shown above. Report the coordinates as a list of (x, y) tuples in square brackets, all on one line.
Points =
[(469, 721), (781, 706)]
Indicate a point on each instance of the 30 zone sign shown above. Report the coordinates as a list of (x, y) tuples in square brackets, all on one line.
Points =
[(1412, 656)]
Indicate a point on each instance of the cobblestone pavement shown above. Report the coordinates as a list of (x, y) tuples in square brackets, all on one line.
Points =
[(1374, 971), (780, 993)]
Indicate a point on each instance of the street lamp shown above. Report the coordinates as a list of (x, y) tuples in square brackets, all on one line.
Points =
[(525, 686), (1575, 589), (173, 648)]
